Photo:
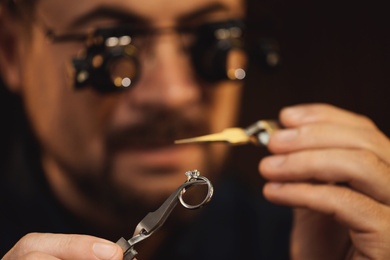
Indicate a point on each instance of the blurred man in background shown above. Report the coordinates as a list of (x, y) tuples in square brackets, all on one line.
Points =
[(102, 155)]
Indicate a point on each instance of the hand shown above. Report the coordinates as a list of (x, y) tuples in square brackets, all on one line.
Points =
[(332, 166), (58, 246)]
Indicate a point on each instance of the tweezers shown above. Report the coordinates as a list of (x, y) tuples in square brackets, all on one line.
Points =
[(257, 133), (154, 220)]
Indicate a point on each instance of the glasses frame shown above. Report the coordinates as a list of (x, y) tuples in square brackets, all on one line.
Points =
[(214, 40)]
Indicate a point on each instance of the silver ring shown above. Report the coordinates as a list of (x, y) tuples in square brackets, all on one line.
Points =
[(199, 180)]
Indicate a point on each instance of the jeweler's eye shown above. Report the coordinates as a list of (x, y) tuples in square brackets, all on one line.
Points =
[(123, 72), (110, 62), (124, 69), (219, 52)]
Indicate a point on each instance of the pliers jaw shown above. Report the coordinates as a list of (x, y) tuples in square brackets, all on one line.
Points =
[(154, 220), (260, 131), (129, 251)]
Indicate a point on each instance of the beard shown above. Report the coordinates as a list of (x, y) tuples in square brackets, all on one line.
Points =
[(158, 128)]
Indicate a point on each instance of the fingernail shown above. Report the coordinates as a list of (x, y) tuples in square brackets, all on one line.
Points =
[(104, 251), (274, 185), (275, 160), (286, 135), (294, 113)]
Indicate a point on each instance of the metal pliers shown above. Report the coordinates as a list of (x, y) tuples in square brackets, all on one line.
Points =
[(154, 220)]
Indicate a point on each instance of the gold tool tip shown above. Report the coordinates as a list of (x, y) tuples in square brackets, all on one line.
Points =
[(234, 136)]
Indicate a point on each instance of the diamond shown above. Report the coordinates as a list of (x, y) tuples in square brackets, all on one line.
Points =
[(192, 174)]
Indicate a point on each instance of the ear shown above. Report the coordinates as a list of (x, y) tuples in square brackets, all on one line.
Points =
[(10, 67)]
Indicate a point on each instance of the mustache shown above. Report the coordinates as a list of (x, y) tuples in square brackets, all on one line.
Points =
[(157, 129)]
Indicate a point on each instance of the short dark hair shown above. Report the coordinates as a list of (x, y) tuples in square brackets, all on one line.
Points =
[(23, 10)]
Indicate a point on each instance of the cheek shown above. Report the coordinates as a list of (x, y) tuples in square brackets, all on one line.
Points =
[(68, 123)]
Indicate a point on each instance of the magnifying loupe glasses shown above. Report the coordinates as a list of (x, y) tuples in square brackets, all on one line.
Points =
[(111, 59)]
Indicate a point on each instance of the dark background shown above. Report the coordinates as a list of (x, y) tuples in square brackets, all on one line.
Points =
[(336, 52)]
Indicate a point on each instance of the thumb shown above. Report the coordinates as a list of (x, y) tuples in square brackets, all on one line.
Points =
[(80, 247)]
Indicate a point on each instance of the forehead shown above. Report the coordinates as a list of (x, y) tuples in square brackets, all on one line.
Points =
[(154, 12)]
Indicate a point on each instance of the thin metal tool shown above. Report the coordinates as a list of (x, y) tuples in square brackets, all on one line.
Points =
[(154, 220), (257, 133)]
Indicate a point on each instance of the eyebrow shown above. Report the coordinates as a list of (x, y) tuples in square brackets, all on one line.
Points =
[(107, 12), (131, 17), (203, 11)]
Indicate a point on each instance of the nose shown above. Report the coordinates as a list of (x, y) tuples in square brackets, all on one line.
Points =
[(167, 78)]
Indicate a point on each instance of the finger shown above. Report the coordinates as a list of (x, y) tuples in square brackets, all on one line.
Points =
[(322, 113), (317, 136), (350, 208), (66, 247), (360, 169), (37, 255)]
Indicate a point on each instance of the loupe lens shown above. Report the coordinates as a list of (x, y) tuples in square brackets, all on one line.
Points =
[(219, 52), (123, 72)]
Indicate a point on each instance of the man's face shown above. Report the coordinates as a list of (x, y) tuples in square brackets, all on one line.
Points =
[(123, 142)]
